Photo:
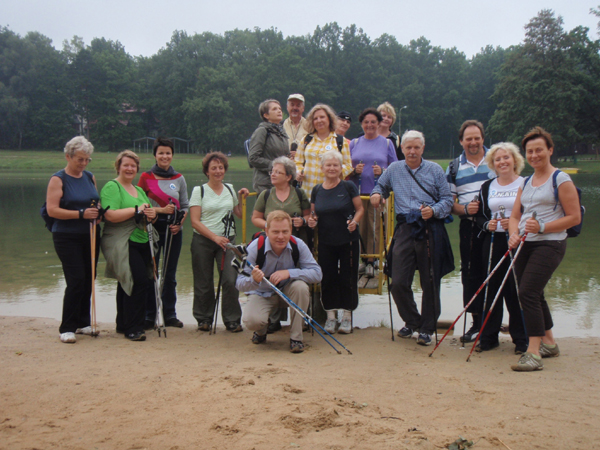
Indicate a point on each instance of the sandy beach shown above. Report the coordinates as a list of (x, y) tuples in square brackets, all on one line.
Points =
[(195, 391)]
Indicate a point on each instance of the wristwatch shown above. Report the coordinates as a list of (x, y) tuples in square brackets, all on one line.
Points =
[(81, 211)]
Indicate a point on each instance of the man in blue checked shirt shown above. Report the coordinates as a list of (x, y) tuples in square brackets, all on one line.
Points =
[(289, 276), (422, 202)]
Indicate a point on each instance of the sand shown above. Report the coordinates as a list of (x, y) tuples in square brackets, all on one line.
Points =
[(195, 391)]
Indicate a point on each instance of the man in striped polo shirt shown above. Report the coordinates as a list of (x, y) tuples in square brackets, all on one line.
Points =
[(465, 176)]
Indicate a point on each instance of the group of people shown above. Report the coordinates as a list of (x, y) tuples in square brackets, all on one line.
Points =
[(309, 178)]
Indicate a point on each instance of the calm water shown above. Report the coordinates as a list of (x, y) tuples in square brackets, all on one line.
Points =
[(32, 283)]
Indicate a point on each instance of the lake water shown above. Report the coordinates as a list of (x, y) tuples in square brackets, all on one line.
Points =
[(32, 283)]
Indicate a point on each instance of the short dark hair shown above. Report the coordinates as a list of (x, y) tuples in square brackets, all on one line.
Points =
[(535, 133), (470, 123), (368, 111), (162, 141), (214, 155)]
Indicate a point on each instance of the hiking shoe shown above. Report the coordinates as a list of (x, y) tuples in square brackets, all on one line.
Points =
[(296, 346), (345, 327), (85, 330), (258, 339), (204, 326), (470, 335), (528, 363), (486, 347), (233, 327), (547, 351), (424, 339), (136, 336), (405, 333), (361, 268), (330, 326), (68, 337), (273, 327), (148, 324), (173, 322), (369, 271), (521, 348)]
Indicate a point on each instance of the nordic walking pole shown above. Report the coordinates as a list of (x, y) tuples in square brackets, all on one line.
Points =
[(227, 222), (512, 263), (308, 319), (159, 323), (476, 294), (374, 219), (515, 277), (485, 292), (431, 274), (94, 323), (386, 275), (475, 199)]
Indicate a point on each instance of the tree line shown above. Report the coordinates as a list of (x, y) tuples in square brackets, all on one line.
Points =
[(206, 87)]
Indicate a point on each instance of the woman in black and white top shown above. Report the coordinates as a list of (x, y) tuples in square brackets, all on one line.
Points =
[(497, 199), (557, 210)]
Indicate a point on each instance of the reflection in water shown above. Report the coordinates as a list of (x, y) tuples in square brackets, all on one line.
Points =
[(32, 283)]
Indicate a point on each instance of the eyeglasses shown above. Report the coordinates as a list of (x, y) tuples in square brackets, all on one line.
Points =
[(82, 160), (276, 172)]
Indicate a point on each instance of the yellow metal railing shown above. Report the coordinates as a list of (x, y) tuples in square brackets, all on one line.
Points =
[(369, 287)]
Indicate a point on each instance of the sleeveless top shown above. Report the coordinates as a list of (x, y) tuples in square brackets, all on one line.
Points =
[(78, 193)]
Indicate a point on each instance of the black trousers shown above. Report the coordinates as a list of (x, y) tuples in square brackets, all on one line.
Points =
[(131, 309), (75, 254), (472, 266), (339, 286), (489, 335), (535, 265), (410, 255)]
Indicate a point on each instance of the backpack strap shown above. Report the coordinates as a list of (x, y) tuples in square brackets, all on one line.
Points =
[(454, 165), (307, 139), (267, 193), (260, 249), (554, 185)]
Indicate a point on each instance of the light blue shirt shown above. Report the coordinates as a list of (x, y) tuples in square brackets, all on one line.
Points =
[(308, 269), (408, 196)]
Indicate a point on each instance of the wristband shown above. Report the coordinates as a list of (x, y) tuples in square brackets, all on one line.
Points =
[(81, 211), (542, 228), (467, 210)]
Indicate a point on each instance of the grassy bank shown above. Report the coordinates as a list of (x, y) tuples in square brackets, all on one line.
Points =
[(49, 162)]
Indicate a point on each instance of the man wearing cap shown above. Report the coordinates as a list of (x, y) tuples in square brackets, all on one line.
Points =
[(294, 124), (343, 124)]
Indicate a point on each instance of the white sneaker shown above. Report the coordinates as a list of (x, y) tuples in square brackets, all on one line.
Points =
[(330, 325), (345, 327), (86, 330), (68, 337)]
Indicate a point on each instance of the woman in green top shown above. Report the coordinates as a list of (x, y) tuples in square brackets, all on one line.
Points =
[(125, 244), (283, 196)]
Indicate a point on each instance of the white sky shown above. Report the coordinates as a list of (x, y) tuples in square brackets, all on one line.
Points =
[(145, 26)]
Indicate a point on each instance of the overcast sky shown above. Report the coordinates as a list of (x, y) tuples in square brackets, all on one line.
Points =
[(145, 26)]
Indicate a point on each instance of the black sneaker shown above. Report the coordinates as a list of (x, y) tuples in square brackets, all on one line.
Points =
[(204, 326), (470, 335), (424, 339), (296, 346), (174, 322), (258, 339), (233, 327), (136, 336), (273, 327), (405, 333)]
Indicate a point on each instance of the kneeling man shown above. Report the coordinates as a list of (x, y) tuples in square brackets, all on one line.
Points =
[(288, 264)]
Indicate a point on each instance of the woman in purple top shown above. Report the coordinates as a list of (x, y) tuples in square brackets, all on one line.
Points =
[(371, 155)]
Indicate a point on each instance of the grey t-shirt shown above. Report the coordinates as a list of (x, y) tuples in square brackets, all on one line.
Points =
[(541, 199)]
